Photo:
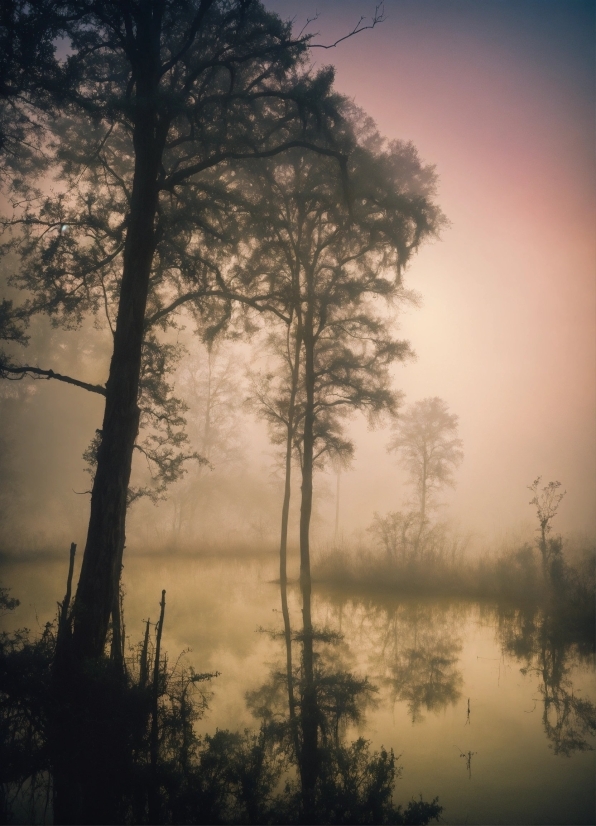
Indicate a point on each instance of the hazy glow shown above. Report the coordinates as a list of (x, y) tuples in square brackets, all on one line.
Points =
[(500, 97)]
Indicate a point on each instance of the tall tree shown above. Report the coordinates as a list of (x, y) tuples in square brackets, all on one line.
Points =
[(331, 260), (167, 94), (428, 447)]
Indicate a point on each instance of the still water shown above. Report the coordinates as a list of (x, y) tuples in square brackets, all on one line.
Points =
[(483, 708)]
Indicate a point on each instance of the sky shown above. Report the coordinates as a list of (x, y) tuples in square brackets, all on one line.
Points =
[(499, 95)]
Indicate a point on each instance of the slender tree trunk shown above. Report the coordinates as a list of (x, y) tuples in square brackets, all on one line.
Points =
[(290, 671), (422, 507), (309, 758), (544, 550), (307, 459), (336, 534), (285, 511), (144, 663), (154, 797), (63, 638), (310, 752)]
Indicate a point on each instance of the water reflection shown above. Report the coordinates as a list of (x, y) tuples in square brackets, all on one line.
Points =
[(415, 652), (414, 649), (305, 708), (552, 651), (423, 670)]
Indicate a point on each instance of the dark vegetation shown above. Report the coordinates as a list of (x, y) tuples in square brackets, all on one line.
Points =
[(409, 556), (165, 772), (170, 131), (201, 166)]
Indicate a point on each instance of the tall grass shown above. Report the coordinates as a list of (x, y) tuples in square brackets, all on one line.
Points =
[(445, 568)]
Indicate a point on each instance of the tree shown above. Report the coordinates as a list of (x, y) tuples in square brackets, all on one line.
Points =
[(428, 447), (547, 503), (331, 262), (210, 381), (165, 95)]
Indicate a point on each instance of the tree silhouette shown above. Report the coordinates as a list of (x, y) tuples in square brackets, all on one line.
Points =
[(330, 262), (143, 220), (164, 95), (33, 82), (547, 504), (428, 447)]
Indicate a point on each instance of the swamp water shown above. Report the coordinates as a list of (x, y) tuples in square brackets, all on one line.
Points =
[(484, 708)]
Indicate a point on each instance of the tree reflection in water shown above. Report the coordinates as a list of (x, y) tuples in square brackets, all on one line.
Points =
[(413, 650), (422, 666), (552, 650), (305, 709)]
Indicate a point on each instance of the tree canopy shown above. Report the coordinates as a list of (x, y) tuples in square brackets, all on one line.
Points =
[(429, 449)]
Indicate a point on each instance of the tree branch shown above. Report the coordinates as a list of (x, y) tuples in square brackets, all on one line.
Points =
[(177, 177), (378, 17), (191, 34), (230, 296), (18, 373)]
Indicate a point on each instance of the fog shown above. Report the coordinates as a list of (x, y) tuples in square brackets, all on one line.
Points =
[(504, 106), (501, 98)]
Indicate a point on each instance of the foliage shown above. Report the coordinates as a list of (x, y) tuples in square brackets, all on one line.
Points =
[(143, 217), (328, 261), (356, 787), (24, 691), (32, 82), (547, 503), (513, 575), (426, 441), (405, 539)]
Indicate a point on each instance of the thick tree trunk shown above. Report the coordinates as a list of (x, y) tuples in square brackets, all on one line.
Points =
[(102, 560), (90, 745)]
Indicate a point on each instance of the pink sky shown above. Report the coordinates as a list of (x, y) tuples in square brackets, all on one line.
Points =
[(497, 95)]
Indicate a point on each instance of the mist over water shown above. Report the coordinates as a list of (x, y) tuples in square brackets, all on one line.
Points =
[(479, 711)]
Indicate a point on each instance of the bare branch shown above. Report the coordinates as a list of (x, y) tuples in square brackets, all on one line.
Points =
[(378, 17), (18, 373)]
